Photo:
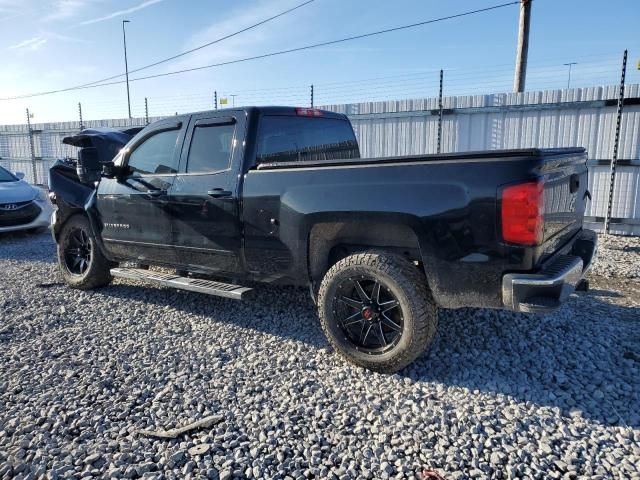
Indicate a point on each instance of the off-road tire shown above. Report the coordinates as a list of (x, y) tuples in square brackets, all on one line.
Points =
[(407, 283), (98, 272)]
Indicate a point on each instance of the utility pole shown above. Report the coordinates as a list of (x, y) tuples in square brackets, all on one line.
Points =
[(215, 99), (523, 46), (570, 64), (146, 111), (311, 95), (126, 65)]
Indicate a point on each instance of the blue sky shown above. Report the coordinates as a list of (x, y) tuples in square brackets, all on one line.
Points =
[(51, 44)]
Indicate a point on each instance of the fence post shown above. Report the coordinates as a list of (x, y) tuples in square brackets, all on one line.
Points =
[(80, 115), (311, 95), (146, 111), (32, 149), (439, 149), (616, 143)]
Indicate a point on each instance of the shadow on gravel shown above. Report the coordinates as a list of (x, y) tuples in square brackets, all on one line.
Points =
[(584, 358), (268, 311), (604, 293)]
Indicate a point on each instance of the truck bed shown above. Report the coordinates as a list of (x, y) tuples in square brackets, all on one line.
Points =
[(451, 201)]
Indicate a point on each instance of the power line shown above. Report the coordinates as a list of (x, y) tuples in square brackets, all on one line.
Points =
[(98, 83), (218, 40), (277, 53), (331, 42), (401, 84), (420, 79), (490, 70)]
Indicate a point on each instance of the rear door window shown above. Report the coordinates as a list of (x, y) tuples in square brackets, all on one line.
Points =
[(295, 138), (211, 147)]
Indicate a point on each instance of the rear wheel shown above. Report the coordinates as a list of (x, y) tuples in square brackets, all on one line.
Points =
[(377, 311), (81, 263)]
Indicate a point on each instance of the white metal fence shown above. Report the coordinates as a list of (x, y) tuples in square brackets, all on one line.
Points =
[(552, 118)]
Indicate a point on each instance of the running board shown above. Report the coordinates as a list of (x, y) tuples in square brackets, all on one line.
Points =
[(183, 283)]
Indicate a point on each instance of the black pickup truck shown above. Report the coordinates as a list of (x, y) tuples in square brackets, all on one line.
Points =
[(280, 195)]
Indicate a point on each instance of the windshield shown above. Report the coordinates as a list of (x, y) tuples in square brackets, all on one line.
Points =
[(6, 176)]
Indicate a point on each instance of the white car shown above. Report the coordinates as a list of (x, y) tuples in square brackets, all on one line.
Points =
[(22, 206)]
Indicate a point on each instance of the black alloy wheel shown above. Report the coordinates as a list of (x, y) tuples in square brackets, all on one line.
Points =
[(369, 314), (376, 310), (82, 264), (78, 252)]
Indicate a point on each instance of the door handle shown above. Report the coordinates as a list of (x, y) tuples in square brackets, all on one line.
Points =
[(219, 193), (156, 193)]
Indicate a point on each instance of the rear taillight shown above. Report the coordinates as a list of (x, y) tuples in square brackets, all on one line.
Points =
[(308, 112), (522, 213)]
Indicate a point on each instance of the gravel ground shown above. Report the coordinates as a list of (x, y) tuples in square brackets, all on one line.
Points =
[(618, 257), (499, 395)]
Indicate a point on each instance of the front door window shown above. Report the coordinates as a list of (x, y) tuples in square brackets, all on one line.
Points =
[(156, 155)]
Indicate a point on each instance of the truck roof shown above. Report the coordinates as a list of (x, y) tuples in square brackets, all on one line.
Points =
[(272, 110)]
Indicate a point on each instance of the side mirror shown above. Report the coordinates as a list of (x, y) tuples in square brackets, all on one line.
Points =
[(20, 175), (110, 170), (89, 167)]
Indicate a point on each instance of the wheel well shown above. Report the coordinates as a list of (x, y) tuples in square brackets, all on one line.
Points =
[(329, 242), (64, 213)]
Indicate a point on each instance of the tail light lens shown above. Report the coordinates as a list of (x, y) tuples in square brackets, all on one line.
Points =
[(522, 213)]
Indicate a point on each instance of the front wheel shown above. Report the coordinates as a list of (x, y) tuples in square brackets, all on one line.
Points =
[(376, 310), (82, 265)]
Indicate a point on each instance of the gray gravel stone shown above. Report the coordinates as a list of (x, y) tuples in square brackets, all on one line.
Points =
[(499, 394)]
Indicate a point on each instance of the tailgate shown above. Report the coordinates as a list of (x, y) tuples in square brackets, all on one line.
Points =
[(565, 193)]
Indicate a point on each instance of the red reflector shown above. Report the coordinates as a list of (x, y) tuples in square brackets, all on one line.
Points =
[(308, 112), (522, 213)]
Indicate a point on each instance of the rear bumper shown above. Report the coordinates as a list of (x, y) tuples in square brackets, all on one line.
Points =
[(545, 290)]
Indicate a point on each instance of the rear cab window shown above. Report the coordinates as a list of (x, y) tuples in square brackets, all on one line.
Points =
[(289, 138)]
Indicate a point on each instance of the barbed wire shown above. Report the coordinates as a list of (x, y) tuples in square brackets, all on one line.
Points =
[(600, 69)]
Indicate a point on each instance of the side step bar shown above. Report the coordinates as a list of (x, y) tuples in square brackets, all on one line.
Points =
[(183, 283)]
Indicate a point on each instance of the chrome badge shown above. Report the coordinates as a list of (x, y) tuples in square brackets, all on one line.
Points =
[(117, 225)]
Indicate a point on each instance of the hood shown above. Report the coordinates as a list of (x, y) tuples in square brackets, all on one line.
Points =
[(14, 192), (108, 141)]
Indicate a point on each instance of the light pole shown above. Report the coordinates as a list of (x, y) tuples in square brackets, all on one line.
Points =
[(126, 65), (233, 99), (569, 65)]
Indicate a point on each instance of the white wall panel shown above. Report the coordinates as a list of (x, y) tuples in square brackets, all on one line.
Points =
[(408, 127)]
